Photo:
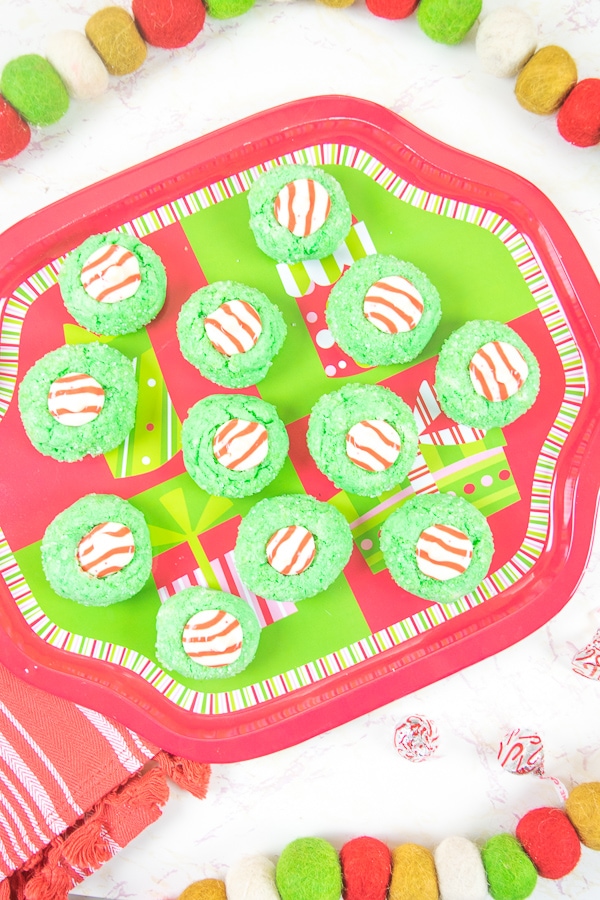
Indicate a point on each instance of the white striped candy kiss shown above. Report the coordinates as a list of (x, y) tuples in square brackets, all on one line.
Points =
[(234, 327), (443, 552), (373, 445), (240, 445), (111, 274), (75, 399), (106, 549), (212, 637), (291, 550), (497, 371), (302, 206), (393, 305)]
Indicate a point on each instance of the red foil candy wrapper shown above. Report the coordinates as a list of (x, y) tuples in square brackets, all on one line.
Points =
[(522, 753), (416, 738)]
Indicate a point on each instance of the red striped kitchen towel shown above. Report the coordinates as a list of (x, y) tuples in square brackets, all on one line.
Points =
[(75, 787)]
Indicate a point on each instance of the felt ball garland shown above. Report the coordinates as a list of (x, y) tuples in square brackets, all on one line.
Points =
[(113, 34), (35, 89), (579, 116), (367, 867), (168, 23), (14, 131), (545, 80), (547, 845)]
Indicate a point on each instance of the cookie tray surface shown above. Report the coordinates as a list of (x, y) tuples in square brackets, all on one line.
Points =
[(492, 244)]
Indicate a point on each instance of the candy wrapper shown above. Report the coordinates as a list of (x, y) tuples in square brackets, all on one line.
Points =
[(522, 753), (587, 661), (416, 738)]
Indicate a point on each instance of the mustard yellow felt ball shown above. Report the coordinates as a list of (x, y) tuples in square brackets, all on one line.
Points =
[(583, 809), (413, 874), (546, 80), (338, 4), (116, 40), (206, 889)]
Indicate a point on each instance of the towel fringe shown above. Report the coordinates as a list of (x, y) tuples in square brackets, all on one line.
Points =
[(117, 818), (192, 776)]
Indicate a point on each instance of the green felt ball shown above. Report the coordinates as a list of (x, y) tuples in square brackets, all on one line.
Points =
[(309, 869), (510, 873), (228, 9), (447, 21), (35, 89)]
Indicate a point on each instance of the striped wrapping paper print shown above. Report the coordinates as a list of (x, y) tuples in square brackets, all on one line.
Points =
[(57, 761), (225, 571)]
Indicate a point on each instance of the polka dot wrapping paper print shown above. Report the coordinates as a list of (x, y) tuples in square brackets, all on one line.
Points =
[(316, 643)]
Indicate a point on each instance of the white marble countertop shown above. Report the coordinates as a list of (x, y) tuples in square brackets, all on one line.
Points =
[(349, 781)]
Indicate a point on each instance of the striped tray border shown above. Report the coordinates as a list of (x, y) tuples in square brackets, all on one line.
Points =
[(525, 257)]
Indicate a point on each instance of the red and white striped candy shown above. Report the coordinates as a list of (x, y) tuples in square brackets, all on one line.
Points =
[(393, 305), (234, 327), (416, 738), (443, 552), (586, 661), (110, 274), (240, 445), (213, 637), (373, 445), (291, 550), (497, 371), (106, 549), (75, 399), (302, 206)]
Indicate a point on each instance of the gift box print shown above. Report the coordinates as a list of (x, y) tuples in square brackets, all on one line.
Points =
[(177, 569), (156, 435)]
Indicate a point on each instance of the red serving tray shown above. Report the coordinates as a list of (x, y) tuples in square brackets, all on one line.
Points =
[(421, 660)]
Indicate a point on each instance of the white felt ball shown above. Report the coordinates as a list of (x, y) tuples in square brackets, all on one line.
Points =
[(252, 878), (460, 871), (81, 69), (505, 40)]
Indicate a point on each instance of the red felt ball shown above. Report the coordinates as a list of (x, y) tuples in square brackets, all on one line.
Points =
[(579, 116), (366, 869), (168, 23), (550, 841), (15, 133), (392, 9)]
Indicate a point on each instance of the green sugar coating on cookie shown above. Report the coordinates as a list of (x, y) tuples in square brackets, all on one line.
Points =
[(113, 372), (241, 369), (177, 610), (332, 418), (276, 240), (510, 873), (400, 533), (359, 337), (199, 429), (61, 540), (35, 89), (447, 21), (227, 9), (456, 394), (127, 315), (333, 542), (309, 869)]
